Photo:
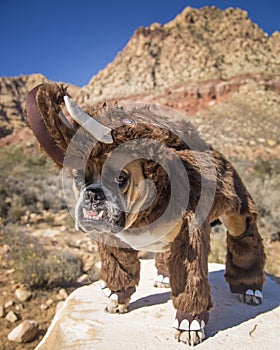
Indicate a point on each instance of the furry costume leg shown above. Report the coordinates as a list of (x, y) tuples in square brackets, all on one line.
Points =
[(245, 252), (120, 274), (188, 267), (161, 262), (245, 263)]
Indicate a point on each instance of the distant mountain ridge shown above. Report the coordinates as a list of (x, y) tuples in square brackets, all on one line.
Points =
[(197, 45)]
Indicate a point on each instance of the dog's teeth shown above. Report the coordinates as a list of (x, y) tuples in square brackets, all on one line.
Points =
[(101, 214)]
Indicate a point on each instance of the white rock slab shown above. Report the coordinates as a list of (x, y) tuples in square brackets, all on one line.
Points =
[(81, 324)]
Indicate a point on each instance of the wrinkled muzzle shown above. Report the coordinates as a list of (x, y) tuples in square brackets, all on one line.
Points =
[(97, 211)]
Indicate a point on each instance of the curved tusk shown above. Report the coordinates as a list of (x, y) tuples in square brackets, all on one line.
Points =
[(97, 130)]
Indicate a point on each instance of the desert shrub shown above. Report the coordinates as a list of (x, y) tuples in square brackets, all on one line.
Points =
[(265, 168), (37, 267), (28, 182), (30, 267), (63, 268), (40, 269)]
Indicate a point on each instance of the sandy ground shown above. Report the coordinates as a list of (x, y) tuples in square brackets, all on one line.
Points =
[(82, 324)]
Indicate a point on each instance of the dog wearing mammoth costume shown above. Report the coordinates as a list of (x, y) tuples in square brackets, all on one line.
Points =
[(143, 181)]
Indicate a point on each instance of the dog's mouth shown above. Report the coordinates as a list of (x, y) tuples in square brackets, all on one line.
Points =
[(92, 215), (104, 219)]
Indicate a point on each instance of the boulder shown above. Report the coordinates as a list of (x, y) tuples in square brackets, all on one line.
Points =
[(23, 294), (24, 332), (11, 317), (82, 324)]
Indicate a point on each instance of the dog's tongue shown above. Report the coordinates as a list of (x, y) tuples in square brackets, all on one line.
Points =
[(89, 213)]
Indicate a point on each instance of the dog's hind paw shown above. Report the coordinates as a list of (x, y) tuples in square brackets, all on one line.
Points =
[(252, 297), (162, 281), (190, 329)]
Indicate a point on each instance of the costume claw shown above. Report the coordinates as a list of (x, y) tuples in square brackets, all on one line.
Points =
[(159, 278), (176, 324), (107, 292), (184, 325), (195, 326), (251, 297), (166, 280), (162, 281), (114, 296), (189, 329), (258, 294), (190, 338)]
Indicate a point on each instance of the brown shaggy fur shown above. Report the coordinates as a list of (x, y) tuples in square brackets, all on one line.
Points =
[(120, 267), (187, 259)]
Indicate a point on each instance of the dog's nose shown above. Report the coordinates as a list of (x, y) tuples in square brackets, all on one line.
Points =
[(94, 193)]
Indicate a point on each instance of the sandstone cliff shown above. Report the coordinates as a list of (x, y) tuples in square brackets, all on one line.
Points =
[(198, 45), (13, 91), (12, 94)]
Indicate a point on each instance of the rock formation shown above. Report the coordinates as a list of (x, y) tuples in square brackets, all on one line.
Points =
[(198, 45), (12, 96)]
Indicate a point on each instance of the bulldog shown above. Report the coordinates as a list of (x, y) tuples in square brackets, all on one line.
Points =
[(145, 180)]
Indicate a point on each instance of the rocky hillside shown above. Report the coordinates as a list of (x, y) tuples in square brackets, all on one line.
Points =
[(12, 95), (198, 45)]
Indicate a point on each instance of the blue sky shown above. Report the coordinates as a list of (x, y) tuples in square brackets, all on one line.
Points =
[(71, 40)]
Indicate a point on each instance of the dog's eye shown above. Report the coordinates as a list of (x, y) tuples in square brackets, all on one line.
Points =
[(122, 178)]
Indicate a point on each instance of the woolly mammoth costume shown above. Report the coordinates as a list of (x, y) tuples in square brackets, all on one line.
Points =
[(146, 182)]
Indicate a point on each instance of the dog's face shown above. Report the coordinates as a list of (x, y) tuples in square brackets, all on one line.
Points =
[(116, 194), (114, 199)]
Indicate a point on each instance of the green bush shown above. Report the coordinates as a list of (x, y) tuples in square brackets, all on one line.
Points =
[(37, 267), (40, 269), (28, 182)]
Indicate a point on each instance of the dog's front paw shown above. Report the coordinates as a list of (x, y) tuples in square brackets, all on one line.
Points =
[(190, 329), (252, 297), (190, 337), (114, 307), (118, 300)]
